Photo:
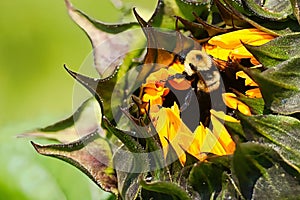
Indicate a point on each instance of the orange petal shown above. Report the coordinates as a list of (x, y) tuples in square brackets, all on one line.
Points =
[(178, 84)]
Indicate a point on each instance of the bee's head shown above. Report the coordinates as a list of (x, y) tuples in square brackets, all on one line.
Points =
[(197, 60)]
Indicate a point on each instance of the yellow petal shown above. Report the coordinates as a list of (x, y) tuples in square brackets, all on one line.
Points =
[(199, 136), (217, 52), (211, 144), (204, 142), (248, 80), (168, 125), (254, 93), (161, 74), (223, 136), (222, 116), (243, 108), (176, 68), (232, 40), (241, 52), (230, 100)]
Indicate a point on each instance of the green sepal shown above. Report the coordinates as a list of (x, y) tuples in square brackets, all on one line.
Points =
[(148, 137), (190, 159), (197, 30), (211, 29), (91, 154)]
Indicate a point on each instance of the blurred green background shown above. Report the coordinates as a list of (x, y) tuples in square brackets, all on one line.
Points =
[(36, 39)]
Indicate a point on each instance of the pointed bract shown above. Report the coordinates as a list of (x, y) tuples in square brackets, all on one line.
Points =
[(91, 154)]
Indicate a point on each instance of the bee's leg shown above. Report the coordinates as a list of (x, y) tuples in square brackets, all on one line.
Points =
[(187, 100), (175, 76)]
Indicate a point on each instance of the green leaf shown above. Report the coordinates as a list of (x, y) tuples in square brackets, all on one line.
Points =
[(280, 86), (281, 183), (161, 189), (275, 28), (85, 119), (277, 50), (281, 132), (235, 129), (270, 9), (166, 10), (91, 154), (259, 171), (128, 185), (207, 177)]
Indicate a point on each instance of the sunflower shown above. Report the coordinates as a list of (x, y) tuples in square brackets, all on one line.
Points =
[(158, 134)]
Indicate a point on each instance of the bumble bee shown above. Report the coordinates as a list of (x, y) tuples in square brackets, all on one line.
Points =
[(198, 67), (205, 80)]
